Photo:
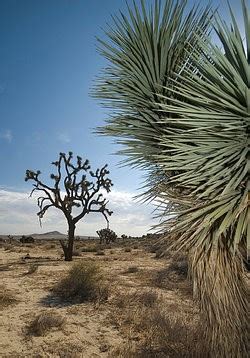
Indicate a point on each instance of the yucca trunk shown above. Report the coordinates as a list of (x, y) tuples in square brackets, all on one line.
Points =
[(220, 290)]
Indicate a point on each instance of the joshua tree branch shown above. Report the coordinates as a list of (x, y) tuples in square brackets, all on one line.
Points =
[(81, 193)]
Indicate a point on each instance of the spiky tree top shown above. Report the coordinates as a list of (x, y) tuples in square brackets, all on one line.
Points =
[(72, 188), (144, 50), (185, 118), (210, 144)]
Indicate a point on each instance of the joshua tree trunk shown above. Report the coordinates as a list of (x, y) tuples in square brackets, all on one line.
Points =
[(68, 248), (220, 287)]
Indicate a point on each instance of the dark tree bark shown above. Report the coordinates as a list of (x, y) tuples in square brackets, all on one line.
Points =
[(68, 247), (71, 237)]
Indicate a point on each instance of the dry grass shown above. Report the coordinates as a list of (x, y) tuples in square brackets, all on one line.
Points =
[(50, 246), (65, 349), (100, 253), (146, 298), (179, 265), (7, 298), (44, 323), (77, 253), (150, 330), (144, 318), (84, 282), (132, 269), (173, 276), (90, 248)]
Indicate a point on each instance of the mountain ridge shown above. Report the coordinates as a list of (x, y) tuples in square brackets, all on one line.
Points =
[(49, 233)]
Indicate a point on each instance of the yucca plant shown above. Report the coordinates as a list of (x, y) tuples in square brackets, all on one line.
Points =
[(212, 105), (144, 50), (182, 112)]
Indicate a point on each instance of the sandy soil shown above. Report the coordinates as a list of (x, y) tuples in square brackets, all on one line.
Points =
[(89, 330)]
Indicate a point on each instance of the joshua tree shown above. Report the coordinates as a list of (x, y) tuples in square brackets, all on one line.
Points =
[(72, 190), (182, 112), (106, 235)]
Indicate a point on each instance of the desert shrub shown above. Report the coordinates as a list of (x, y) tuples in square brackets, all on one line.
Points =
[(7, 247), (126, 350), (66, 348), (106, 236), (32, 269), (29, 245), (132, 269), (179, 265), (45, 322), (147, 298), (151, 331), (169, 336), (160, 278), (176, 271), (112, 252), (6, 297), (84, 282), (127, 249)]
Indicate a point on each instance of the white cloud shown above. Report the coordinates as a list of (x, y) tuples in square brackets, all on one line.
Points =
[(7, 135), (63, 137), (18, 216)]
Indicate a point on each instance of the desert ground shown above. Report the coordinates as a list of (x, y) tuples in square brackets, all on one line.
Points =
[(145, 310)]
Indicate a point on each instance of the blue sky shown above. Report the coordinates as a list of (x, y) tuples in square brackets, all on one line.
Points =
[(48, 63)]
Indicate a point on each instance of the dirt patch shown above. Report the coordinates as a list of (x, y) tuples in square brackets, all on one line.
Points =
[(96, 328)]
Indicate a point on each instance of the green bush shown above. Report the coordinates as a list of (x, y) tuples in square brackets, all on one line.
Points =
[(84, 282)]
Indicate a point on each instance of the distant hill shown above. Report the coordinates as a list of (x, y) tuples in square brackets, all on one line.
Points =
[(57, 235), (49, 234)]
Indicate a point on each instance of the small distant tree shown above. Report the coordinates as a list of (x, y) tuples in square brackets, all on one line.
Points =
[(70, 190), (106, 236)]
